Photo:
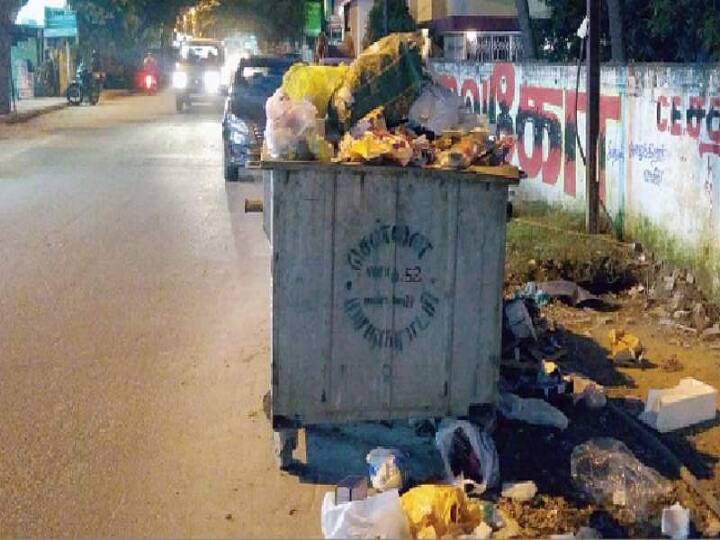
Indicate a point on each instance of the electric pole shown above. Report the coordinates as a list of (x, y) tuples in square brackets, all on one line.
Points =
[(592, 185)]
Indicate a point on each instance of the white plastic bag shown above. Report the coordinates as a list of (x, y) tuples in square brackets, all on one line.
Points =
[(531, 410), (437, 109), (380, 516), (387, 468), (290, 125), (482, 446)]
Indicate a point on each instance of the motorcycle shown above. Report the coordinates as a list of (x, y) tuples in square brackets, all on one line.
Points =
[(86, 86), (149, 82)]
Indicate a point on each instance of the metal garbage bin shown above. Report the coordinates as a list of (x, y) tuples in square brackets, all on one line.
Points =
[(386, 293)]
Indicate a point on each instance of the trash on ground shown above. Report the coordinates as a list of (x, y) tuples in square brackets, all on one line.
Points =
[(387, 468), (688, 403), (625, 348), (608, 472), (519, 491), (531, 410), (468, 454), (379, 516), (351, 488), (518, 320), (587, 533), (566, 291), (675, 522), (588, 392), (438, 511)]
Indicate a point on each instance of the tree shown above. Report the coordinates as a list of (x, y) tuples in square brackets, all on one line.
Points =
[(270, 20), (387, 17), (616, 30), (8, 12), (651, 30), (526, 29)]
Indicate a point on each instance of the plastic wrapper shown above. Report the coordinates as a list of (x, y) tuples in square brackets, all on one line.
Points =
[(381, 516), (389, 73), (609, 473), (437, 109), (440, 511), (468, 454), (387, 468), (460, 155), (291, 130), (313, 83), (376, 147), (531, 410)]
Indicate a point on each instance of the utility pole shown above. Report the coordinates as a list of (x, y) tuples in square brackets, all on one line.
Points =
[(592, 186)]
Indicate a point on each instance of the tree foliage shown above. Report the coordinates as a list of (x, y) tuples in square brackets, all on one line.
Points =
[(269, 20), (398, 20), (653, 30)]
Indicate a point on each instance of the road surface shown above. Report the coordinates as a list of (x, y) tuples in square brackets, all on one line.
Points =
[(134, 333)]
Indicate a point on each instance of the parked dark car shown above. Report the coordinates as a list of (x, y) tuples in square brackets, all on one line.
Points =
[(255, 80), (198, 73)]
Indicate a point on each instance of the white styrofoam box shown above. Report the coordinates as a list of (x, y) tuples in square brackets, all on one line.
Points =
[(688, 403)]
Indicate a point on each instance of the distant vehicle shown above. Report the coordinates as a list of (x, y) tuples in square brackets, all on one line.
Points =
[(197, 75), (255, 80)]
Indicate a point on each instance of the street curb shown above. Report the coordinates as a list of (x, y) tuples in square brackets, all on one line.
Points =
[(16, 118)]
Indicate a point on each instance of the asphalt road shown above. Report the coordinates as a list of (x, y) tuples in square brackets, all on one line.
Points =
[(134, 333)]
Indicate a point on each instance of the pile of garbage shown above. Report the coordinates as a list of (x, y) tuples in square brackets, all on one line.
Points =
[(384, 108)]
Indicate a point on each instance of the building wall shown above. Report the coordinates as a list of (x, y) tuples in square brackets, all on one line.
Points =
[(659, 147)]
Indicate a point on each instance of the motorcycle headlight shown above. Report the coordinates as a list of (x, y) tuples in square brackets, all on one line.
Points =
[(180, 80), (212, 81)]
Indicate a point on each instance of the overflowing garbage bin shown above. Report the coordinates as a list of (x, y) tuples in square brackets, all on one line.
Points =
[(386, 293)]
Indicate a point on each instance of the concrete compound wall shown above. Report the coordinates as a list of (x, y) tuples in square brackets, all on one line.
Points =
[(659, 146)]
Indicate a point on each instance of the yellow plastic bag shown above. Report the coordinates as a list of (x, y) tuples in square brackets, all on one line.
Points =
[(437, 511), (624, 346), (314, 83)]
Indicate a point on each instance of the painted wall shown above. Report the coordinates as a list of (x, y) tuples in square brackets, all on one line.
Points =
[(659, 146)]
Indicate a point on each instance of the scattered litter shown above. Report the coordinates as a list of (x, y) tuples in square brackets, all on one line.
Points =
[(569, 292), (587, 391), (519, 491), (625, 347), (688, 403), (438, 511), (468, 454), (676, 522), (387, 468), (585, 533), (519, 320), (608, 472), (531, 410), (533, 292), (711, 333), (351, 488), (671, 364), (380, 516)]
